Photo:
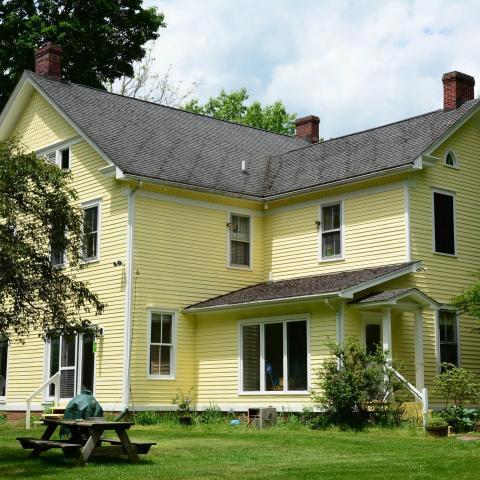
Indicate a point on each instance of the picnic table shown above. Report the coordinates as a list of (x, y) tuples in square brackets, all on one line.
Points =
[(87, 440)]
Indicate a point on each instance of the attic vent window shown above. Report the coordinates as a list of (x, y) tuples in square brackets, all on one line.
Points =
[(450, 159), (59, 157)]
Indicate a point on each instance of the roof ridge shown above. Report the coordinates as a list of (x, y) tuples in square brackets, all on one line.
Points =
[(169, 107)]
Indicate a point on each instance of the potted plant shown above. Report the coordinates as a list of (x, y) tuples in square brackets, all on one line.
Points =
[(437, 427), (183, 402)]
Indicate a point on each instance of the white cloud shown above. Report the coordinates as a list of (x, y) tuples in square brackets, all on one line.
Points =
[(356, 64)]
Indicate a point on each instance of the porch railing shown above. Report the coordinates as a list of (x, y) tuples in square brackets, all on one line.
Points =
[(422, 395), (55, 380)]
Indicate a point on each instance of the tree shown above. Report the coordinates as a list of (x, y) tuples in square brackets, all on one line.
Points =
[(38, 215), (469, 300), (231, 106), (100, 38), (145, 84)]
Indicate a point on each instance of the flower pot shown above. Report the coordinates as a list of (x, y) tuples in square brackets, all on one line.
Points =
[(438, 431), (185, 420)]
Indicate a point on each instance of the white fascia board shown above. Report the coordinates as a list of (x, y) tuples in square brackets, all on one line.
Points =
[(349, 292)]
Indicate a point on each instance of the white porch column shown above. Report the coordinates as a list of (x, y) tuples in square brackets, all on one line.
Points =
[(340, 320), (419, 363), (387, 332)]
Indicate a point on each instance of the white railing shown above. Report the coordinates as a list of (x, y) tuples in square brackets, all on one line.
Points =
[(55, 380), (422, 396)]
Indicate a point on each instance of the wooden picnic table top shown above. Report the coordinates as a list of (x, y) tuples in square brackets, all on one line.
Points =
[(96, 424)]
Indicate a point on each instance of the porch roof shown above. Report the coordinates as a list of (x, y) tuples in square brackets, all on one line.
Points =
[(341, 284), (393, 297)]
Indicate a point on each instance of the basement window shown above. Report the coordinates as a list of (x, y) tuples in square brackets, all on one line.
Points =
[(274, 357), (444, 222)]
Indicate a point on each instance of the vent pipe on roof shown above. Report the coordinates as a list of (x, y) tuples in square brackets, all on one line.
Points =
[(48, 61), (457, 89), (308, 128)]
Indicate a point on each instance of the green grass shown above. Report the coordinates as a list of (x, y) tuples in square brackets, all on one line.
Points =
[(283, 452)]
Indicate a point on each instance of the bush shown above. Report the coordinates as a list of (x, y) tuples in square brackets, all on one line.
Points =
[(461, 419), (457, 385), (211, 414), (354, 384), (155, 418), (436, 421)]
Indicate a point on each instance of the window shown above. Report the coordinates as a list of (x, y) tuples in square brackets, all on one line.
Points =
[(451, 159), (274, 356), (444, 222), (60, 157), (3, 365), (239, 240), (161, 336), (57, 255), (91, 232), (331, 231), (447, 324)]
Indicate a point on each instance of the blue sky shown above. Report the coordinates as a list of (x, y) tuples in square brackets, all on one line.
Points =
[(355, 64)]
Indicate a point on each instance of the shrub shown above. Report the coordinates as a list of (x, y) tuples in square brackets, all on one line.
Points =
[(183, 401), (353, 384), (211, 414), (461, 419), (436, 421), (459, 386)]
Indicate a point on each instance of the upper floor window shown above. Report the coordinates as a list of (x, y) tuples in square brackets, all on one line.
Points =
[(60, 157), (161, 345), (240, 241), (331, 231), (447, 324), (91, 231), (451, 159), (444, 222), (3, 365)]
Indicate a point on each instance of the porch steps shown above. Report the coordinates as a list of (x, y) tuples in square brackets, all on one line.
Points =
[(55, 413)]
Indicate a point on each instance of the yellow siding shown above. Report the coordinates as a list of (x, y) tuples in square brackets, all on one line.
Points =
[(180, 257), (374, 235), (38, 127)]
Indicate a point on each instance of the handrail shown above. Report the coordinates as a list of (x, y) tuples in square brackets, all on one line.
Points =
[(54, 379)]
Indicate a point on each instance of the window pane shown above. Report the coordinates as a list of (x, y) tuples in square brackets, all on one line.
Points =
[(447, 326), (251, 357), (444, 223), (54, 361), (297, 355), (449, 353), (90, 232), (331, 217), (88, 362), (165, 360), (156, 328), (57, 257), (154, 359), (65, 159), (240, 228), (68, 351), (240, 253), (449, 160), (331, 244), (274, 379), (3, 366), (166, 329)]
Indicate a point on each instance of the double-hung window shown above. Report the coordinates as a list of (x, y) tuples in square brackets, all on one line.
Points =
[(60, 157), (444, 222), (331, 231), (274, 356), (447, 324), (91, 232), (3, 366), (240, 241), (161, 345)]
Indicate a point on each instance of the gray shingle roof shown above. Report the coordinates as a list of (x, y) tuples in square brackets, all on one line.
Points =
[(300, 287), (172, 145), (383, 296)]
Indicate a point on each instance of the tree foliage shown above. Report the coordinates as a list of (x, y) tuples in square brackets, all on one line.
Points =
[(469, 300), (100, 38), (233, 107), (38, 214)]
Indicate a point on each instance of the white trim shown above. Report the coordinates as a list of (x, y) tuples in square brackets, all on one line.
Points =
[(61, 145), (340, 256), (199, 203), (340, 322), (387, 333), (422, 298), (229, 241), (89, 204), (128, 298), (173, 354), (362, 192), (455, 165), (419, 351), (453, 195), (406, 205), (262, 321)]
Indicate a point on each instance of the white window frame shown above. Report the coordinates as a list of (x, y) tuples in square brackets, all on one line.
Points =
[(453, 195), (455, 159), (262, 322), (437, 336), (173, 355), (3, 397), (58, 156), (229, 241), (321, 231), (85, 205)]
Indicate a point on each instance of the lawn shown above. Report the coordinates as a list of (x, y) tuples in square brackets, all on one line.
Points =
[(283, 452)]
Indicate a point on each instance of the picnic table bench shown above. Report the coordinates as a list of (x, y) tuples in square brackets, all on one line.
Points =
[(87, 440)]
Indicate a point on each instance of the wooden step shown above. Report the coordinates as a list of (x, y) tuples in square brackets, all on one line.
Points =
[(52, 416)]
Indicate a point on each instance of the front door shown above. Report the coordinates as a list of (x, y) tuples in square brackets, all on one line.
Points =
[(373, 337)]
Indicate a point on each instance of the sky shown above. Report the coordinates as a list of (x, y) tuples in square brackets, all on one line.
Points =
[(355, 64)]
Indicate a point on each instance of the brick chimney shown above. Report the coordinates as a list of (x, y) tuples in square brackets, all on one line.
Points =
[(307, 128), (48, 61), (457, 89)]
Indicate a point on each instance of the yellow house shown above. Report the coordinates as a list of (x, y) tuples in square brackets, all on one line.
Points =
[(228, 255)]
